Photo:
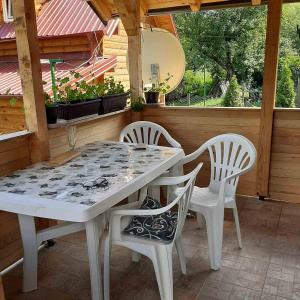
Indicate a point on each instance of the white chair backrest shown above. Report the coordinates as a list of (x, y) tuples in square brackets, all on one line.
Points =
[(183, 199), (229, 154), (146, 133)]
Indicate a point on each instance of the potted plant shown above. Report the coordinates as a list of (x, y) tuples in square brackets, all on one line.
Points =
[(114, 97), (78, 99), (137, 106), (51, 109), (152, 93)]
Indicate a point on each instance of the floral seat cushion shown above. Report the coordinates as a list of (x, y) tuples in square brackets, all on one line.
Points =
[(157, 227)]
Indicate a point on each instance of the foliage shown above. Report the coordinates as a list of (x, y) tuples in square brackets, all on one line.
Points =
[(81, 91), (285, 88), (233, 94), (160, 87), (232, 39), (137, 104), (194, 82), (111, 87)]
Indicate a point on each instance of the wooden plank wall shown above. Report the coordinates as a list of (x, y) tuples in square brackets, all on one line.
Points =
[(117, 45), (11, 116), (285, 160), (192, 127), (107, 128), (76, 43), (14, 155)]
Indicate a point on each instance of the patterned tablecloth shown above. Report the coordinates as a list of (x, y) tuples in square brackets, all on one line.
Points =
[(101, 168)]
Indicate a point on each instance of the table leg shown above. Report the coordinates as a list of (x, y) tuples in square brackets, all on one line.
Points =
[(30, 248), (94, 229)]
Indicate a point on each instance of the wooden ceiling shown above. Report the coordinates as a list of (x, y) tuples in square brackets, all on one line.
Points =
[(107, 8), (150, 10)]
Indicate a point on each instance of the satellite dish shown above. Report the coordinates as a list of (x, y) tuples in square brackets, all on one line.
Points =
[(162, 56)]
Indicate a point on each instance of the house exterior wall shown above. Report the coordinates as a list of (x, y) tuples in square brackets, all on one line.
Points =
[(117, 45)]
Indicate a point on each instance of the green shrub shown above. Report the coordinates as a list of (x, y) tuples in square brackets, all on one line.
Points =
[(233, 95), (285, 87)]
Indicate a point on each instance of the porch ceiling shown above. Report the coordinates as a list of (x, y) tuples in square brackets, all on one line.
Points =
[(107, 8)]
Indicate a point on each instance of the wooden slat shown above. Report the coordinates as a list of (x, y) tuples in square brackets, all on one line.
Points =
[(269, 94)]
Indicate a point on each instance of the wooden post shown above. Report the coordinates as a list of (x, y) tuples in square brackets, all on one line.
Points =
[(130, 14), (31, 77), (268, 97), (2, 297)]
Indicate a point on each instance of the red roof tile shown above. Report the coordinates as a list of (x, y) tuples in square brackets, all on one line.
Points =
[(64, 17), (10, 82)]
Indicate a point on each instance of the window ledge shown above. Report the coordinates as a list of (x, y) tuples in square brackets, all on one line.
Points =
[(65, 123), (13, 135)]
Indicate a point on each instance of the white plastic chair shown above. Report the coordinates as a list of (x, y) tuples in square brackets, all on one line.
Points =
[(160, 252), (144, 132), (231, 156), (149, 133)]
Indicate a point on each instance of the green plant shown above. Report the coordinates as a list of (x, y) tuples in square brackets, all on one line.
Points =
[(233, 95), (137, 104), (160, 87), (49, 102), (79, 91), (285, 88), (111, 87)]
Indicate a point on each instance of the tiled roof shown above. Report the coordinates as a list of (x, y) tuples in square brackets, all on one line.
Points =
[(64, 17), (10, 82)]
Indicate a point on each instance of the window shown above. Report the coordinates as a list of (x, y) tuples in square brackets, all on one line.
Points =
[(7, 11)]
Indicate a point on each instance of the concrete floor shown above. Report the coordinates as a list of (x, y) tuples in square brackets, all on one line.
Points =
[(268, 266)]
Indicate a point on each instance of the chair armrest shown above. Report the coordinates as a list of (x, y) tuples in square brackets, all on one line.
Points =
[(228, 178), (162, 181), (192, 156)]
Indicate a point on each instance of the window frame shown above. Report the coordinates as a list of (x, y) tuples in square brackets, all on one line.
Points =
[(7, 15)]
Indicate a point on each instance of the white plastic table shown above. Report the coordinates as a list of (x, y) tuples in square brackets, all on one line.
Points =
[(79, 192)]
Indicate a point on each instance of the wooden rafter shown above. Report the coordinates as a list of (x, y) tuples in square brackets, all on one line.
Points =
[(195, 5), (102, 9), (256, 2), (129, 12)]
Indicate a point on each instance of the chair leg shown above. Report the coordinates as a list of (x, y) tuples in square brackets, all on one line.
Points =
[(200, 220), (93, 232), (162, 261), (30, 248), (215, 236), (180, 252), (106, 269), (237, 226), (134, 198)]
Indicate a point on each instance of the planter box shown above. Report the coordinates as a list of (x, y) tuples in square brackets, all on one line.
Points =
[(151, 97), (113, 103), (77, 110), (51, 113)]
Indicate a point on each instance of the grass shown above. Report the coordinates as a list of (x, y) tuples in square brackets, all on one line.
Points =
[(209, 103), (213, 102)]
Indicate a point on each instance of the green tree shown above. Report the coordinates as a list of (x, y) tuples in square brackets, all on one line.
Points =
[(232, 39), (233, 95), (285, 87)]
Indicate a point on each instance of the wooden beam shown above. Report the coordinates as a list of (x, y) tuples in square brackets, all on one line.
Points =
[(2, 296), (130, 14), (101, 9), (256, 2), (31, 77), (269, 95), (195, 5)]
